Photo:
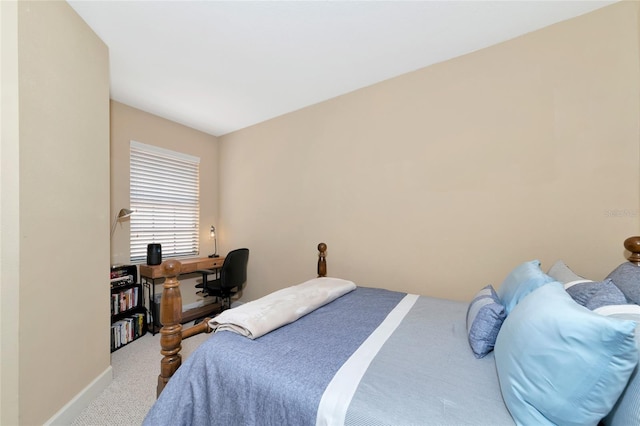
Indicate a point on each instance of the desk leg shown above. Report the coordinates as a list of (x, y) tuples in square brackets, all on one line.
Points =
[(150, 285), (155, 311)]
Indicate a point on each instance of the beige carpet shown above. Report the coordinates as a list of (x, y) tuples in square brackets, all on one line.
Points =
[(135, 376)]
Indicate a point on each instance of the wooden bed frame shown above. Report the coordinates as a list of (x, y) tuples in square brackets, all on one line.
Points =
[(172, 334)]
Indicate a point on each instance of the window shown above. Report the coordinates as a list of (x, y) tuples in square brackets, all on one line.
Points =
[(165, 198)]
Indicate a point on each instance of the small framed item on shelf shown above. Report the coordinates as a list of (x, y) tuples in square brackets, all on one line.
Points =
[(128, 314)]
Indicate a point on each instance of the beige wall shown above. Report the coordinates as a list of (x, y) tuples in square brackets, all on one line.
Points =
[(129, 124), (9, 214), (58, 194), (436, 182), (440, 181)]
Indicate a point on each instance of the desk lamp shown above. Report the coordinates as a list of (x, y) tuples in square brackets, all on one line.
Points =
[(212, 233), (121, 215)]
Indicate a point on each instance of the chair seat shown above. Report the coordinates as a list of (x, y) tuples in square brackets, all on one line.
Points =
[(214, 284), (205, 271)]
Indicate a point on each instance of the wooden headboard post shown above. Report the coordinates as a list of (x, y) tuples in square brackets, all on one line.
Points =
[(633, 245), (170, 318), (322, 261)]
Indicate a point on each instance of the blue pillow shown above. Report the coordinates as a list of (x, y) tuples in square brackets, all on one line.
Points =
[(595, 294), (560, 363), (606, 295), (485, 315), (627, 278), (525, 278)]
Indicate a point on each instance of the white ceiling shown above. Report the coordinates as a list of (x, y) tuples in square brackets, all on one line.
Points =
[(219, 66)]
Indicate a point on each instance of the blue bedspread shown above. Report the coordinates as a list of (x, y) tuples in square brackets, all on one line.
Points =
[(421, 373), (277, 379)]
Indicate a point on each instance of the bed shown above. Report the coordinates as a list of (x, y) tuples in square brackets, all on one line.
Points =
[(544, 348)]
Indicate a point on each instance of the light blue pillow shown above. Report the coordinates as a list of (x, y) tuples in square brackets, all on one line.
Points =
[(627, 409), (560, 363), (485, 315), (525, 278)]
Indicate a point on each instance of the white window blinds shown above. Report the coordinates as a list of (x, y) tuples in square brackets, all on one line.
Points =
[(165, 198)]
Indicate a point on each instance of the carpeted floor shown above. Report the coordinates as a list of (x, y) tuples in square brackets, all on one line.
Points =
[(135, 376)]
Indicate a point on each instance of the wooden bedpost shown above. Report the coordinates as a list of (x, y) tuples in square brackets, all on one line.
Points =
[(171, 333), (633, 245), (170, 317), (322, 262)]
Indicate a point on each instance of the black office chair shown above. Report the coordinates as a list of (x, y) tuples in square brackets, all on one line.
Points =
[(233, 276)]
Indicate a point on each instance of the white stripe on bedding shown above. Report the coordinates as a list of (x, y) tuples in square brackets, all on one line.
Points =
[(572, 283), (337, 396), (608, 310)]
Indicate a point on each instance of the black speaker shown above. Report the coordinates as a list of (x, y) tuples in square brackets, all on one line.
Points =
[(154, 254)]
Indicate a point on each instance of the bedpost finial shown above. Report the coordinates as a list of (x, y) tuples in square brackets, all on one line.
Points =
[(322, 262), (633, 245), (171, 268), (322, 247)]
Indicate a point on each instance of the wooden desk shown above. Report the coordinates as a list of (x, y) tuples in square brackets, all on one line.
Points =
[(150, 273), (189, 266)]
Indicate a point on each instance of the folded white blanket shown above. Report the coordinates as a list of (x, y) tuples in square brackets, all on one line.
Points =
[(259, 317)]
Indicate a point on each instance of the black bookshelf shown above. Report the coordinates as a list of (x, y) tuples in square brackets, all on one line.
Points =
[(128, 314)]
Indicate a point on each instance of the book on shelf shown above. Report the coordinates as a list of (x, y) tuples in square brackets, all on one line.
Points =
[(139, 324), (125, 300), (122, 281), (123, 271), (127, 330)]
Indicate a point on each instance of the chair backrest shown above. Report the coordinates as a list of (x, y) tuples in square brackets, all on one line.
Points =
[(234, 269)]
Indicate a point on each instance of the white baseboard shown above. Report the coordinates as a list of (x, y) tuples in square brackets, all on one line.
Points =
[(72, 409)]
